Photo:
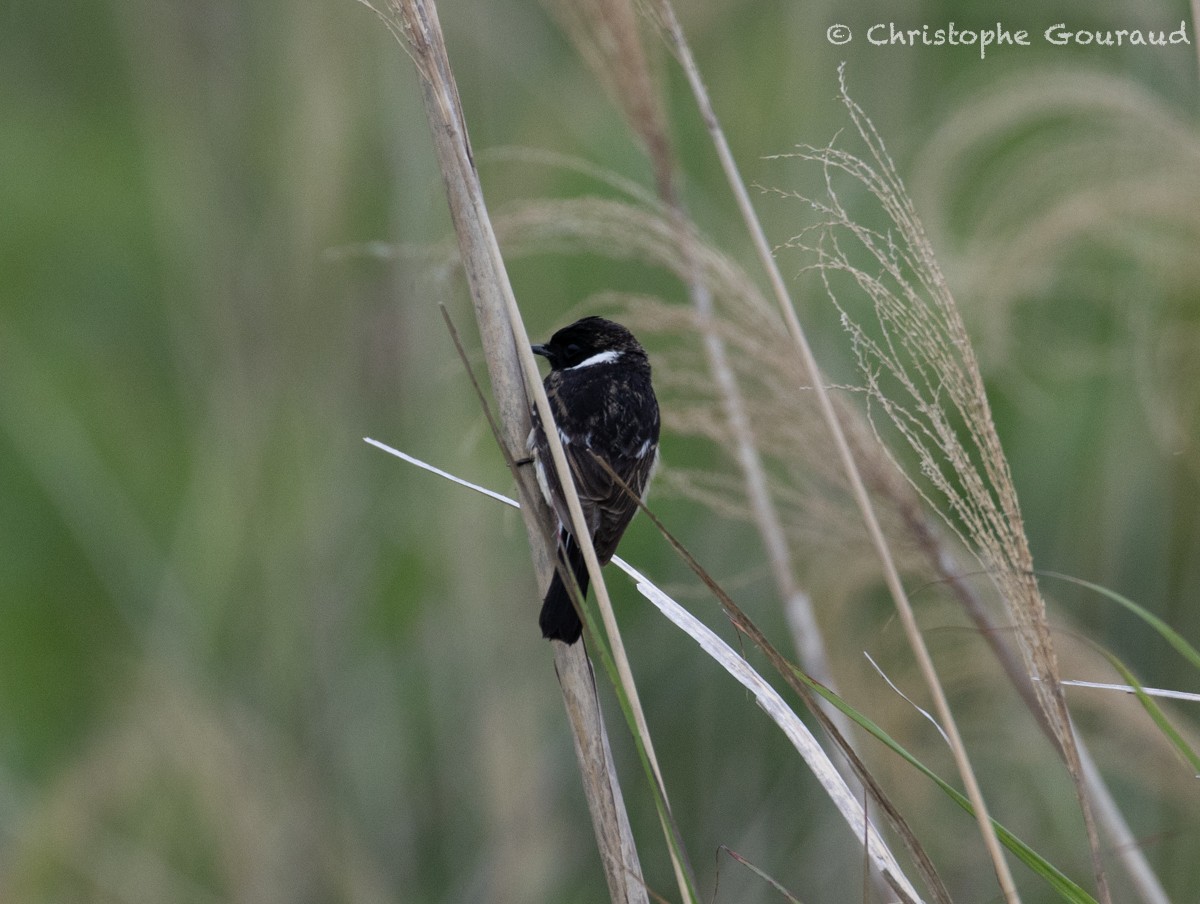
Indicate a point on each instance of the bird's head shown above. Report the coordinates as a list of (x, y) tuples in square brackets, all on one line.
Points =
[(590, 341)]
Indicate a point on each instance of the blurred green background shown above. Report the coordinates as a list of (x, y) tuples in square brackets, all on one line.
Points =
[(246, 657)]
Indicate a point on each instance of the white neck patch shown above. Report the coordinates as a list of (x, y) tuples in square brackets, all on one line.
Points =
[(605, 357)]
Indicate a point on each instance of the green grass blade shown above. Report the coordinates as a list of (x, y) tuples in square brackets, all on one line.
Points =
[(598, 646), (1067, 888), (1169, 634), (1155, 712)]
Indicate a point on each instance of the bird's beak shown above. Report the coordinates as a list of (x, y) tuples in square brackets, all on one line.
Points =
[(541, 350)]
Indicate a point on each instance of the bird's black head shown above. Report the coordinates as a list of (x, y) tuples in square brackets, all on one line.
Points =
[(592, 340)]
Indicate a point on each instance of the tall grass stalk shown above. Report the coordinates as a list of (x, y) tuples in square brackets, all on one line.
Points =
[(514, 378), (895, 585)]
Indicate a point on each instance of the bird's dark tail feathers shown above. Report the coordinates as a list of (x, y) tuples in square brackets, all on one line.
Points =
[(559, 620)]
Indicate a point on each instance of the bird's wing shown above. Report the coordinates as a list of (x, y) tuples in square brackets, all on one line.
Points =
[(607, 507), (612, 506)]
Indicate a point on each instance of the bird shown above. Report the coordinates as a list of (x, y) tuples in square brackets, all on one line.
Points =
[(604, 410)]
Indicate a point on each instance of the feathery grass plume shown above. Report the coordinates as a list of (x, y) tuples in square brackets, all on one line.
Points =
[(605, 33), (1059, 186), (1100, 195), (921, 374)]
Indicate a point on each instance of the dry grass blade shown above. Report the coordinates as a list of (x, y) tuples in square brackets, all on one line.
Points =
[(921, 372), (774, 706), (834, 784)]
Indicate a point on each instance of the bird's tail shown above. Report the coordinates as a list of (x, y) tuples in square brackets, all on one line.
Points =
[(559, 620)]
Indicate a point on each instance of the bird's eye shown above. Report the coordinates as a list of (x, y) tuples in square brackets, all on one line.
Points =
[(573, 350)]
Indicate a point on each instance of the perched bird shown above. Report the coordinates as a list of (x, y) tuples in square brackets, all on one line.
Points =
[(604, 408)]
